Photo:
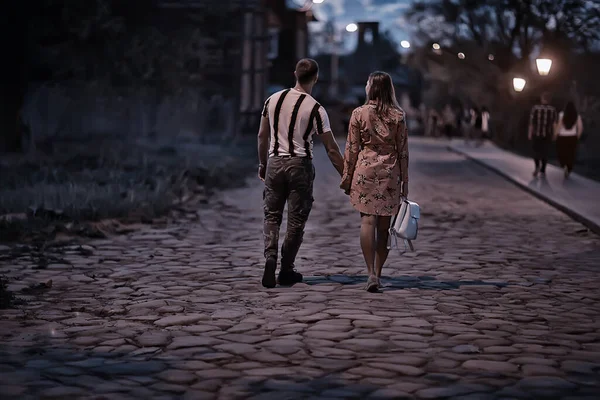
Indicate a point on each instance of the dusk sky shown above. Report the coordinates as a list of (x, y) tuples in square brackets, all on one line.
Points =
[(387, 12)]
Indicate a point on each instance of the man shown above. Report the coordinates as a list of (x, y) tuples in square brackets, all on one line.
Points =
[(541, 129), (289, 119)]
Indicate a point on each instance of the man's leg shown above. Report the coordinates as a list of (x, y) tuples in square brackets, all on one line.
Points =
[(274, 196), (536, 154), (544, 155), (300, 198)]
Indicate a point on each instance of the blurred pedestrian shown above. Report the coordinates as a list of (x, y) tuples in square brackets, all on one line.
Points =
[(542, 119), (473, 131), (567, 134), (434, 120), (485, 123), (449, 118)]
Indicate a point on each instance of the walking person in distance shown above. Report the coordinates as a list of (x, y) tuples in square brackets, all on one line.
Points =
[(568, 132), (542, 119)]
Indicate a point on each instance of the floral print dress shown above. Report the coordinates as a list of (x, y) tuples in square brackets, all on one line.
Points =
[(376, 160)]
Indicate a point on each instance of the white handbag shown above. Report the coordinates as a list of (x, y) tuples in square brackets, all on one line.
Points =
[(405, 225)]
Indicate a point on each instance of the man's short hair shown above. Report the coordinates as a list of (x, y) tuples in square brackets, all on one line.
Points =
[(546, 97), (306, 70)]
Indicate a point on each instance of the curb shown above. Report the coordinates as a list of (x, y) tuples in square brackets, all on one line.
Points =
[(591, 225)]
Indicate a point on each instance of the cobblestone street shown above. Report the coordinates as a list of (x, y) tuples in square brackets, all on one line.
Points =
[(500, 300)]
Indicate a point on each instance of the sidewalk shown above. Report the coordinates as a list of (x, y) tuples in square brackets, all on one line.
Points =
[(577, 196)]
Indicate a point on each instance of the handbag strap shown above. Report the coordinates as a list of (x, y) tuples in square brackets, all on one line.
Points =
[(407, 243)]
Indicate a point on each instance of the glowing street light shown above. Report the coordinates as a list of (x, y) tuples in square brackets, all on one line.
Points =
[(519, 84), (491, 57), (405, 44), (543, 66), (436, 46), (350, 27), (461, 56)]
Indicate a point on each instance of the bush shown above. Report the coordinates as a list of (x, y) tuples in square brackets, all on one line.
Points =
[(7, 298)]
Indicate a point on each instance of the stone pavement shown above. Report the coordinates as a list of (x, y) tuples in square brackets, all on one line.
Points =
[(499, 301), (578, 196)]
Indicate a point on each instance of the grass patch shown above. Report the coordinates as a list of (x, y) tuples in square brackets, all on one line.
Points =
[(67, 185)]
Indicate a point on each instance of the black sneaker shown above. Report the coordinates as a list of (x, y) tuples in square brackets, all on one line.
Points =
[(289, 276), (268, 279)]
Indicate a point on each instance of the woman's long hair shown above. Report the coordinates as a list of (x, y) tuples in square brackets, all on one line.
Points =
[(382, 92), (570, 115)]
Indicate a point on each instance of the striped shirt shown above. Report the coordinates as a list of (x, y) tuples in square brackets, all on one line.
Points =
[(542, 119), (294, 117)]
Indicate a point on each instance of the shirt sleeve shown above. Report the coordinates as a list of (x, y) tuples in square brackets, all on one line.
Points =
[(265, 110), (322, 124)]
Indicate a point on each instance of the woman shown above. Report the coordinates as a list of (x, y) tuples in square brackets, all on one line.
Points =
[(567, 133), (474, 128), (485, 123), (376, 169)]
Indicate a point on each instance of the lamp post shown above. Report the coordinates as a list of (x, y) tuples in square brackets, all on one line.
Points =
[(335, 57), (543, 66), (519, 84)]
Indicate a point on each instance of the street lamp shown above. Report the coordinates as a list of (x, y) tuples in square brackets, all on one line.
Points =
[(350, 27), (436, 46), (405, 44), (519, 84), (461, 55), (543, 66)]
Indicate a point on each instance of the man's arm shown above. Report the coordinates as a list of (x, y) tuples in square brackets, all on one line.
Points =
[(333, 151), (323, 130), (263, 146), (530, 130)]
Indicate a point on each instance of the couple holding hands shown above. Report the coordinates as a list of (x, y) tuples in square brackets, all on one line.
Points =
[(374, 168)]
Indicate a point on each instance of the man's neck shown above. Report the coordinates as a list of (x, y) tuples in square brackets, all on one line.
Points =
[(306, 88)]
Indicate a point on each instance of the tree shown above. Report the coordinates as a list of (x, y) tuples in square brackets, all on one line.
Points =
[(50, 39), (511, 29), (121, 44)]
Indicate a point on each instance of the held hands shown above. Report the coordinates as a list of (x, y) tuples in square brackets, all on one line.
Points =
[(345, 186)]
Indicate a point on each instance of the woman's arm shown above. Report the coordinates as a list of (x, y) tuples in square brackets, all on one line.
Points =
[(579, 127), (556, 128), (352, 150)]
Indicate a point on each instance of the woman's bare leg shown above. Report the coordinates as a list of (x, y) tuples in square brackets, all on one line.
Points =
[(367, 240), (383, 226)]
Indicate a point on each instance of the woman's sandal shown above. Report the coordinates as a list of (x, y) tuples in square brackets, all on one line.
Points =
[(372, 284)]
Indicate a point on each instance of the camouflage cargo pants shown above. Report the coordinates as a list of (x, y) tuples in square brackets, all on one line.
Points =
[(287, 179)]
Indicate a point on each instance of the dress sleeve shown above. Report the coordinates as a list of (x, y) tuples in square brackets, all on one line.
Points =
[(403, 149), (352, 150)]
